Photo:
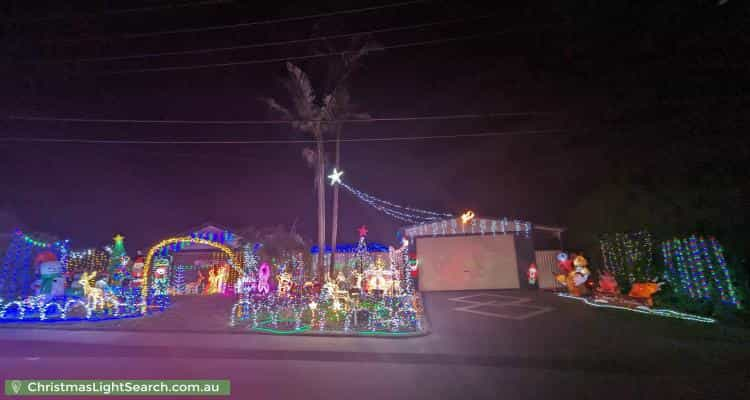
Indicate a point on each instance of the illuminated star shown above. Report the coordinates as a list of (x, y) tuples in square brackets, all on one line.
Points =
[(335, 177), (362, 231), (119, 238)]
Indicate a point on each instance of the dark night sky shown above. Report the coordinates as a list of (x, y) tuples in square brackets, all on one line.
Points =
[(612, 75)]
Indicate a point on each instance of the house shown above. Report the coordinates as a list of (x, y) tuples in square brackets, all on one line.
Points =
[(468, 253)]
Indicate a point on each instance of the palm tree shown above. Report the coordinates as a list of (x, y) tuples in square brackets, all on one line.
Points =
[(316, 116), (311, 116), (339, 72)]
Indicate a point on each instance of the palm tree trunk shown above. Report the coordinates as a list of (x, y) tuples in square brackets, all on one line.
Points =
[(335, 216), (321, 205)]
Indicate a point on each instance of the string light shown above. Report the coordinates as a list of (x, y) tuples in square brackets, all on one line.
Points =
[(689, 271), (628, 255), (402, 213), (644, 310), (231, 258), (450, 227)]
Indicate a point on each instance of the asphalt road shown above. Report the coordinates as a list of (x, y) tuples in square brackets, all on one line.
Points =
[(505, 345)]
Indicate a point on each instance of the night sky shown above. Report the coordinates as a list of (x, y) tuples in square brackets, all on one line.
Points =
[(624, 83)]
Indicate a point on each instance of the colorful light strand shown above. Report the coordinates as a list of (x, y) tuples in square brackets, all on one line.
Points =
[(693, 257)]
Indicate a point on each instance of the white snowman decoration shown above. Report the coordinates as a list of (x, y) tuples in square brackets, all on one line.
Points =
[(52, 282)]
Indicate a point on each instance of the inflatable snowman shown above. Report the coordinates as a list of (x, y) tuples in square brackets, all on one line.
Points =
[(52, 283)]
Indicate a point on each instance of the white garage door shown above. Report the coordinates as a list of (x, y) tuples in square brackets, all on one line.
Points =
[(467, 262)]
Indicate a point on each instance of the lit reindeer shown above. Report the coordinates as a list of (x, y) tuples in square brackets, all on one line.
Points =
[(94, 295)]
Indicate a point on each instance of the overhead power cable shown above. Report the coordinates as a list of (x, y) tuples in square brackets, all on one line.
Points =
[(124, 11), (273, 121), (295, 58), (350, 11), (265, 44), (281, 141)]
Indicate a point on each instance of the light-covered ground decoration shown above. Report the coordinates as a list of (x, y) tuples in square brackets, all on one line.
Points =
[(372, 300), (37, 308), (603, 303)]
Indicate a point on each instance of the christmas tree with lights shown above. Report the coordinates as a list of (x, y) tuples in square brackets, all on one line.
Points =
[(118, 261), (250, 258), (179, 280), (362, 256)]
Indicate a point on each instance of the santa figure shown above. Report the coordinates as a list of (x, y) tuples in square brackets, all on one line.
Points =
[(531, 274), (136, 272)]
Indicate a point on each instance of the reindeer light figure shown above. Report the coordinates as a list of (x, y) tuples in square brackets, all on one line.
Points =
[(94, 295)]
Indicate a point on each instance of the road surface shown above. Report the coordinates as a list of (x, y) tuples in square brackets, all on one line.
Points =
[(483, 345)]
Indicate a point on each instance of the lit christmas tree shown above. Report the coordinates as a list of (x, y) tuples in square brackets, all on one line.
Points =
[(179, 280), (250, 258), (362, 255), (118, 261)]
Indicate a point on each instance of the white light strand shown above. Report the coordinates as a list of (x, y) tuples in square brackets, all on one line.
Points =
[(645, 310), (402, 213)]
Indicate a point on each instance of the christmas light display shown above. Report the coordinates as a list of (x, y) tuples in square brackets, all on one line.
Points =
[(250, 258), (629, 256), (454, 226), (223, 237), (17, 273), (362, 255), (231, 258), (87, 260), (370, 301), (178, 283), (35, 308), (335, 177), (47, 299), (160, 284), (698, 268), (643, 310), (264, 273), (401, 213), (467, 216), (118, 261)]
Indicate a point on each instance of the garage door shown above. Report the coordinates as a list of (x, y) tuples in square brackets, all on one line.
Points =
[(467, 262)]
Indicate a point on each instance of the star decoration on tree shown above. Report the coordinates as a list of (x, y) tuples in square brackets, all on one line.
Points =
[(362, 231), (119, 238), (335, 177)]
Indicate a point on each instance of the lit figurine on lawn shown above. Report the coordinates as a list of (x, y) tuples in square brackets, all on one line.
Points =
[(607, 284), (531, 274), (161, 282), (264, 273), (51, 283)]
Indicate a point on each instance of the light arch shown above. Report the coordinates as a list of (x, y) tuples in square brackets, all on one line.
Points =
[(231, 257)]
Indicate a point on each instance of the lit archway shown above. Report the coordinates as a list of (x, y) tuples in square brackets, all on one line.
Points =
[(231, 258)]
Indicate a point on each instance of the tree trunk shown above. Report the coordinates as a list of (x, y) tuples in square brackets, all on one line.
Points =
[(335, 216), (321, 206)]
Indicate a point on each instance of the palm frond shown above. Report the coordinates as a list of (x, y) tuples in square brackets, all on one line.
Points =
[(275, 106)]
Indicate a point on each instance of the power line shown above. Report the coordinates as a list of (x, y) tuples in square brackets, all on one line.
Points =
[(274, 121), (266, 44), (293, 58), (124, 11), (279, 141), (251, 23)]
